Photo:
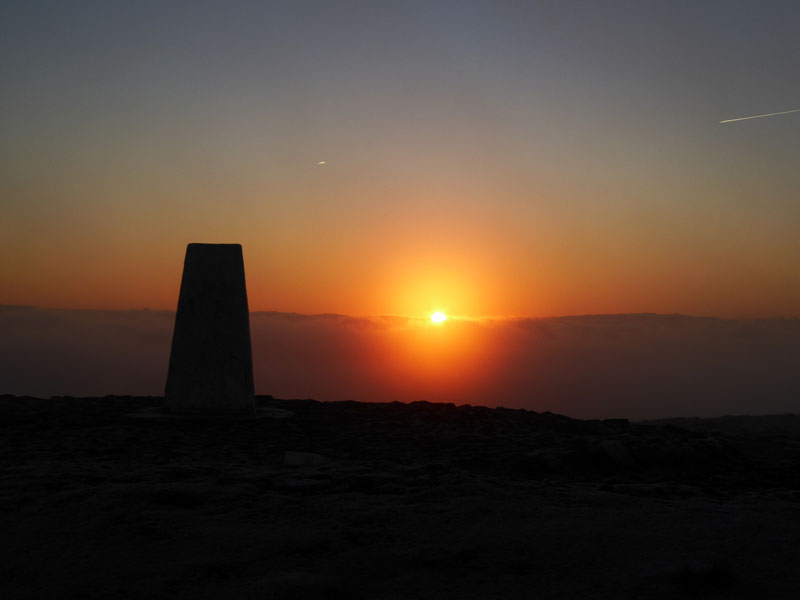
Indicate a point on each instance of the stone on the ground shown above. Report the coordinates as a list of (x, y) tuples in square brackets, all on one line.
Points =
[(618, 453)]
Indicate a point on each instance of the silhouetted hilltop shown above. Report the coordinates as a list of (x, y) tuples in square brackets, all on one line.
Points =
[(759, 424), (514, 443), (109, 497)]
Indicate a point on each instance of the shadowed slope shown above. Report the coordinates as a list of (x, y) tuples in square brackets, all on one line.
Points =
[(388, 501)]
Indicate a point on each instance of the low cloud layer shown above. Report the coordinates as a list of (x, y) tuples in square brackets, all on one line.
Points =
[(636, 366)]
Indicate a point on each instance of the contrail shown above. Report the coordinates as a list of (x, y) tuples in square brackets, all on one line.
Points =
[(785, 112)]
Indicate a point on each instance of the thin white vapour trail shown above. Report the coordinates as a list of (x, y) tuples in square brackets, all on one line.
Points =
[(785, 112)]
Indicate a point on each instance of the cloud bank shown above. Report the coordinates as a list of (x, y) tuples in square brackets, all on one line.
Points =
[(636, 366)]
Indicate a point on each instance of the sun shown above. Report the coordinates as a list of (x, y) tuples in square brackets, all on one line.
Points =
[(438, 317)]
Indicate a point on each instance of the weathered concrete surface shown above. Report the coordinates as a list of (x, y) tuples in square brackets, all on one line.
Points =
[(211, 364)]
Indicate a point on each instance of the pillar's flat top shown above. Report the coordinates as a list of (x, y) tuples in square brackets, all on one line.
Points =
[(196, 244)]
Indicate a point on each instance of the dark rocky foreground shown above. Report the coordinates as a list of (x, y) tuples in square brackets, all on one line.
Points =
[(348, 500)]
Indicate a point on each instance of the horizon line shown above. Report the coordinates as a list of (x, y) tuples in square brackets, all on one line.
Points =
[(452, 317)]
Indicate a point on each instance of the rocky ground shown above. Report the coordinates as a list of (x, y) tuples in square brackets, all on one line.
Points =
[(107, 498)]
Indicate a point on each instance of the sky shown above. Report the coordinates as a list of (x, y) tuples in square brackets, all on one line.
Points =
[(484, 158)]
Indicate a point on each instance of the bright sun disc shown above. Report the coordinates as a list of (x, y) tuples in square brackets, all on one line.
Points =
[(438, 317)]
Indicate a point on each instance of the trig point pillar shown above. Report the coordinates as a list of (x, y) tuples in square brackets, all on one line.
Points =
[(211, 363)]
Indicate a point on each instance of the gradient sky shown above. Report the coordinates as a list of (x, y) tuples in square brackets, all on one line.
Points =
[(484, 158)]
